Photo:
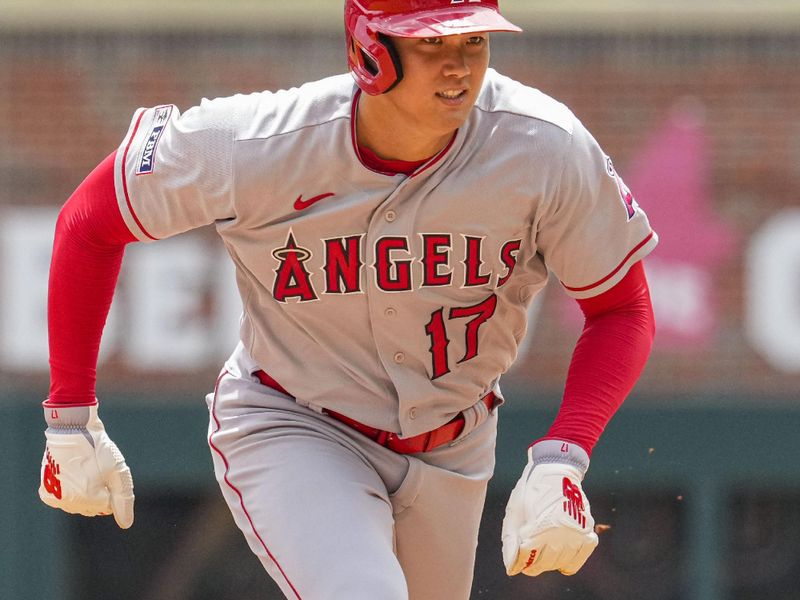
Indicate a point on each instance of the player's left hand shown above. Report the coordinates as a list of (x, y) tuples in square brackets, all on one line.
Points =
[(548, 524)]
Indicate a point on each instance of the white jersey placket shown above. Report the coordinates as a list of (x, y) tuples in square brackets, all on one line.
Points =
[(393, 334)]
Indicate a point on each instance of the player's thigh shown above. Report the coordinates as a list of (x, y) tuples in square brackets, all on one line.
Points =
[(437, 516), (437, 536), (314, 511)]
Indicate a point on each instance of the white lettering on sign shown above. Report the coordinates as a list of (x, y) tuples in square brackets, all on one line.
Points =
[(176, 306), (773, 291), (26, 241), (172, 305), (681, 293)]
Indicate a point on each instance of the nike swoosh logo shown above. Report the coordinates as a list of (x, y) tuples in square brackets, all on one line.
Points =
[(301, 204)]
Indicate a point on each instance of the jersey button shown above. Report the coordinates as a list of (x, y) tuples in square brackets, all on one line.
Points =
[(399, 357), (390, 312), (412, 413), (390, 215)]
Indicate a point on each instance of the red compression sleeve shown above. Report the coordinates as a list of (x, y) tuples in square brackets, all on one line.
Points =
[(90, 239), (608, 359)]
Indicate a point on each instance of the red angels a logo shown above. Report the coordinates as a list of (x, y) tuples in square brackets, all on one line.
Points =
[(292, 279)]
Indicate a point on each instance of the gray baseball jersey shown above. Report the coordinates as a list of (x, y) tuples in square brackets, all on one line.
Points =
[(396, 300)]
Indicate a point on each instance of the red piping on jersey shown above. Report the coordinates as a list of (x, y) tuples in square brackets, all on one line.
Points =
[(354, 139), (438, 156), (235, 489), (381, 165), (389, 169), (125, 181), (614, 272)]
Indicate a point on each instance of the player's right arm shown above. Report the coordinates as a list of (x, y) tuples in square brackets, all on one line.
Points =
[(82, 470), (171, 173)]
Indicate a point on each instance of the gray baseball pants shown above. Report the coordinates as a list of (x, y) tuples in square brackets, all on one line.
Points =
[(331, 514)]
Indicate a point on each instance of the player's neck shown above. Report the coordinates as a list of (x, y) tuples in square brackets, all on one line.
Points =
[(390, 136)]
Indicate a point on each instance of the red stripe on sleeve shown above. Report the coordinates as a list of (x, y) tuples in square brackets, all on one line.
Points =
[(616, 269), (608, 359), (125, 178), (89, 243)]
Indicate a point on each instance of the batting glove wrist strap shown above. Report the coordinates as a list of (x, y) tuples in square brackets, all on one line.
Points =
[(83, 471), (559, 452), (548, 524), (67, 417)]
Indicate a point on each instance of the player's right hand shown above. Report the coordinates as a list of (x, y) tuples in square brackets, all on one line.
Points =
[(83, 472)]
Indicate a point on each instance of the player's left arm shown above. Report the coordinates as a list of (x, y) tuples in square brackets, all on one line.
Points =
[(548, 523)]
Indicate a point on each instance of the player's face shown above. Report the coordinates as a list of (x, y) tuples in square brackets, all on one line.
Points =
[(442, 77)]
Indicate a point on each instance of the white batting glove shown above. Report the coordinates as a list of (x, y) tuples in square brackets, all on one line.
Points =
[(83, 471), (548, 524)]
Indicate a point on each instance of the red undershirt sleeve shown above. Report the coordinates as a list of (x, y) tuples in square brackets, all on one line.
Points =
[(608, 359), (89, 243)]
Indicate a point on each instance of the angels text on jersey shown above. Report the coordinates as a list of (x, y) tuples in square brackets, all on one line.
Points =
[(344, 264)]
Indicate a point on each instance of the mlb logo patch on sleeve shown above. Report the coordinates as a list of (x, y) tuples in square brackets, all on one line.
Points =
[(146, 161)]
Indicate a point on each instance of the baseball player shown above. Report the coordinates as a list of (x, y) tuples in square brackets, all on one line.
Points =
[(389, 229)]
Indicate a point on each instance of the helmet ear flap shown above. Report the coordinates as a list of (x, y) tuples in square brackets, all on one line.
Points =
[(387, 43), (372, 57), (369, 64)]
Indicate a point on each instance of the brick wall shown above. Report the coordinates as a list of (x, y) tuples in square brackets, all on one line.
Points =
[(66, 101)]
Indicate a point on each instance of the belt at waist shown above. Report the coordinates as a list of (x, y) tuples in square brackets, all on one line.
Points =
[(424, 442)]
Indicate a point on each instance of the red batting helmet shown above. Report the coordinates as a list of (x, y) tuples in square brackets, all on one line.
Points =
[(369, 23)]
